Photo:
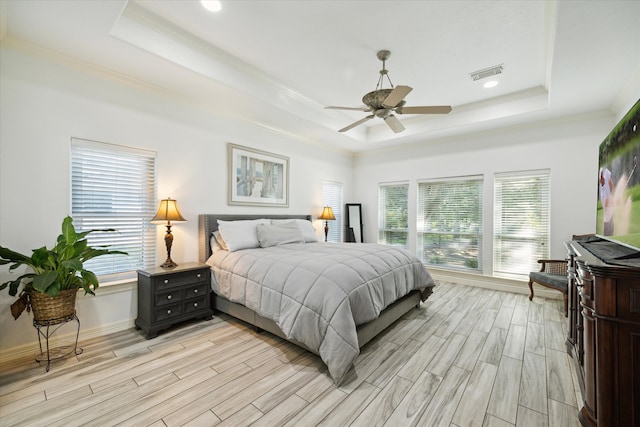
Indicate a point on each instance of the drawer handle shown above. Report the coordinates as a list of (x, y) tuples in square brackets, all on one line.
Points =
[(195, 304), (195, 291), (169, 311), (199, 275), (168, 296), (166, 281)]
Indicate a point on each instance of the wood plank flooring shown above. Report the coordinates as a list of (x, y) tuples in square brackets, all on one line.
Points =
[(467, 357)]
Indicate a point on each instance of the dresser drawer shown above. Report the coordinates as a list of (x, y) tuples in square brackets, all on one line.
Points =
[(171, 296), (180, 279), (195, 304), (196, 291), (585, 279), (168, 311)]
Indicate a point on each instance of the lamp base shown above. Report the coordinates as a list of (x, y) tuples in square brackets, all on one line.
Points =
[(168, 241), (169, 264)]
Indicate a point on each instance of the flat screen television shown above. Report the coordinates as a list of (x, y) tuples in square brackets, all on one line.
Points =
[(618, 205)]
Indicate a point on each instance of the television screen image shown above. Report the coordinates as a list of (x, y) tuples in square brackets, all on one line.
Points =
[(618, 205)]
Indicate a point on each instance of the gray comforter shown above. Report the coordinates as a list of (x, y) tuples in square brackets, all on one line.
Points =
[(317, 293)]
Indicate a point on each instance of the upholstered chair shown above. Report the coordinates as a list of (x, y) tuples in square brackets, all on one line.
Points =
[(552, 274)]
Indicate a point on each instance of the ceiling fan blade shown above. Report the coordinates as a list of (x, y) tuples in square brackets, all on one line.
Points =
[(359, 122), (363, 108), (435, 109), (396, 96), (393, 122)]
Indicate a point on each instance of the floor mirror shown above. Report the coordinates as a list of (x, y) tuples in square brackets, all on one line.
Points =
[(353, 223)]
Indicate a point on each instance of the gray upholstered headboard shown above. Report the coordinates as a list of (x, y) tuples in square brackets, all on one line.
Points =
[(208, 223)]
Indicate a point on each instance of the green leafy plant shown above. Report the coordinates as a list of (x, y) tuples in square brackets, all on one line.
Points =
[(54, 270)]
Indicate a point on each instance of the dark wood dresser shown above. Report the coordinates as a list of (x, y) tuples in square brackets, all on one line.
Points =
[(604, 330), (169, 296)]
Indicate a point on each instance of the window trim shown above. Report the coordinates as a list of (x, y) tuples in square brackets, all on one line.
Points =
[(79, 152), (335, 226), (419, 231), (381, 215), (545, 254)]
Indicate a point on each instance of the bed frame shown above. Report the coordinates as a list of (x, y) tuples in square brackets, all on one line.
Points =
[(208, 223)]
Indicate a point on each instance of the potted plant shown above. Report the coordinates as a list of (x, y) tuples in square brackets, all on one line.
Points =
[(55, 275)]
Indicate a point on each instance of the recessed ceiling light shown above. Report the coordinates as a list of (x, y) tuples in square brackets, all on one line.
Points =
[(212, 5), (490, 83)]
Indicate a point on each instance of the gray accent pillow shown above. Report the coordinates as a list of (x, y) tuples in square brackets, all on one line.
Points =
[(306, 227), (279, 234)]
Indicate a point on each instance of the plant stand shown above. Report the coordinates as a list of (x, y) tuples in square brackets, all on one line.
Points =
[(46, 328)]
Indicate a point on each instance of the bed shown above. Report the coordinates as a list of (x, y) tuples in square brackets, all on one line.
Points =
[(313, 304)]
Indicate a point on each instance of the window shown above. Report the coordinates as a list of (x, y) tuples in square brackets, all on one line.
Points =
[(332, 196), (393, 214), (449, 223), (114, 187), (521, 221)]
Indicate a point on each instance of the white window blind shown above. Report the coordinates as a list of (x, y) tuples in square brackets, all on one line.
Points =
[(332, 196), (449, 223), (521, 221), (393, 214), (114, 187)]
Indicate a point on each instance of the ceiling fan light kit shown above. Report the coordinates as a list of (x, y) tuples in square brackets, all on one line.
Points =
[(382, 103)]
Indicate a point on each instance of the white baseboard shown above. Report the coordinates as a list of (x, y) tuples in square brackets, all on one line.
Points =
[(494, 283), (31, 349)]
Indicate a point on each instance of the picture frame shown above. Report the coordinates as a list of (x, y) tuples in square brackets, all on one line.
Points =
[(257, 178)]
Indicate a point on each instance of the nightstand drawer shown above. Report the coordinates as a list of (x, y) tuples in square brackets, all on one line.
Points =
[(180, 279), (168, 312), (171, 296), (195, 304), (196, 291)]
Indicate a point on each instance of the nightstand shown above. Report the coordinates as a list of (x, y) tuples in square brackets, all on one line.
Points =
[(170, 296)]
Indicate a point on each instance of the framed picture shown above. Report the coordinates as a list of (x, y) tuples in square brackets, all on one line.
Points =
[(257, 178)]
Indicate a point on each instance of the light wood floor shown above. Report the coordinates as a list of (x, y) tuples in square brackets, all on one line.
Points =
[(467, 357)]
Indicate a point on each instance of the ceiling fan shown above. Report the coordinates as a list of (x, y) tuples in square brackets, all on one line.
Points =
[(384, 102)]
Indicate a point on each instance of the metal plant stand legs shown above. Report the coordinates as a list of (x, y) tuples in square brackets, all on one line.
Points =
[(46, 328)]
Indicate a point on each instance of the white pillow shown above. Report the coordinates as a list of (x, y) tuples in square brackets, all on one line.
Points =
[(240, 234), (279, 234), (308, 232)]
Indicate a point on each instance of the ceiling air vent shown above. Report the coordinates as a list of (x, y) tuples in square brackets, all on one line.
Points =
[(487, 72)]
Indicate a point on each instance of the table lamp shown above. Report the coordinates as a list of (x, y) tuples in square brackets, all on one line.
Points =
[(168, 211), (327, 214)]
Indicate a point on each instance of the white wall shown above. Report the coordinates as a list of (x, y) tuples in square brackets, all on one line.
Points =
[(45, 101), (568, 148)]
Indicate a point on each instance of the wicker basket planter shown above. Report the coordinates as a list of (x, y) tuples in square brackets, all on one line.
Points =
[(53, 309)]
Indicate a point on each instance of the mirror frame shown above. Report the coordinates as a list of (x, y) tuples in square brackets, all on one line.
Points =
[(349, 235)]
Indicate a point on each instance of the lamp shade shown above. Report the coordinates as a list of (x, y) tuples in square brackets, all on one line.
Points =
[(168, 211), (327, 213)]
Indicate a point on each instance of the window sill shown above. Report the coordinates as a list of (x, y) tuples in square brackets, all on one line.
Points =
[(113, 287)]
